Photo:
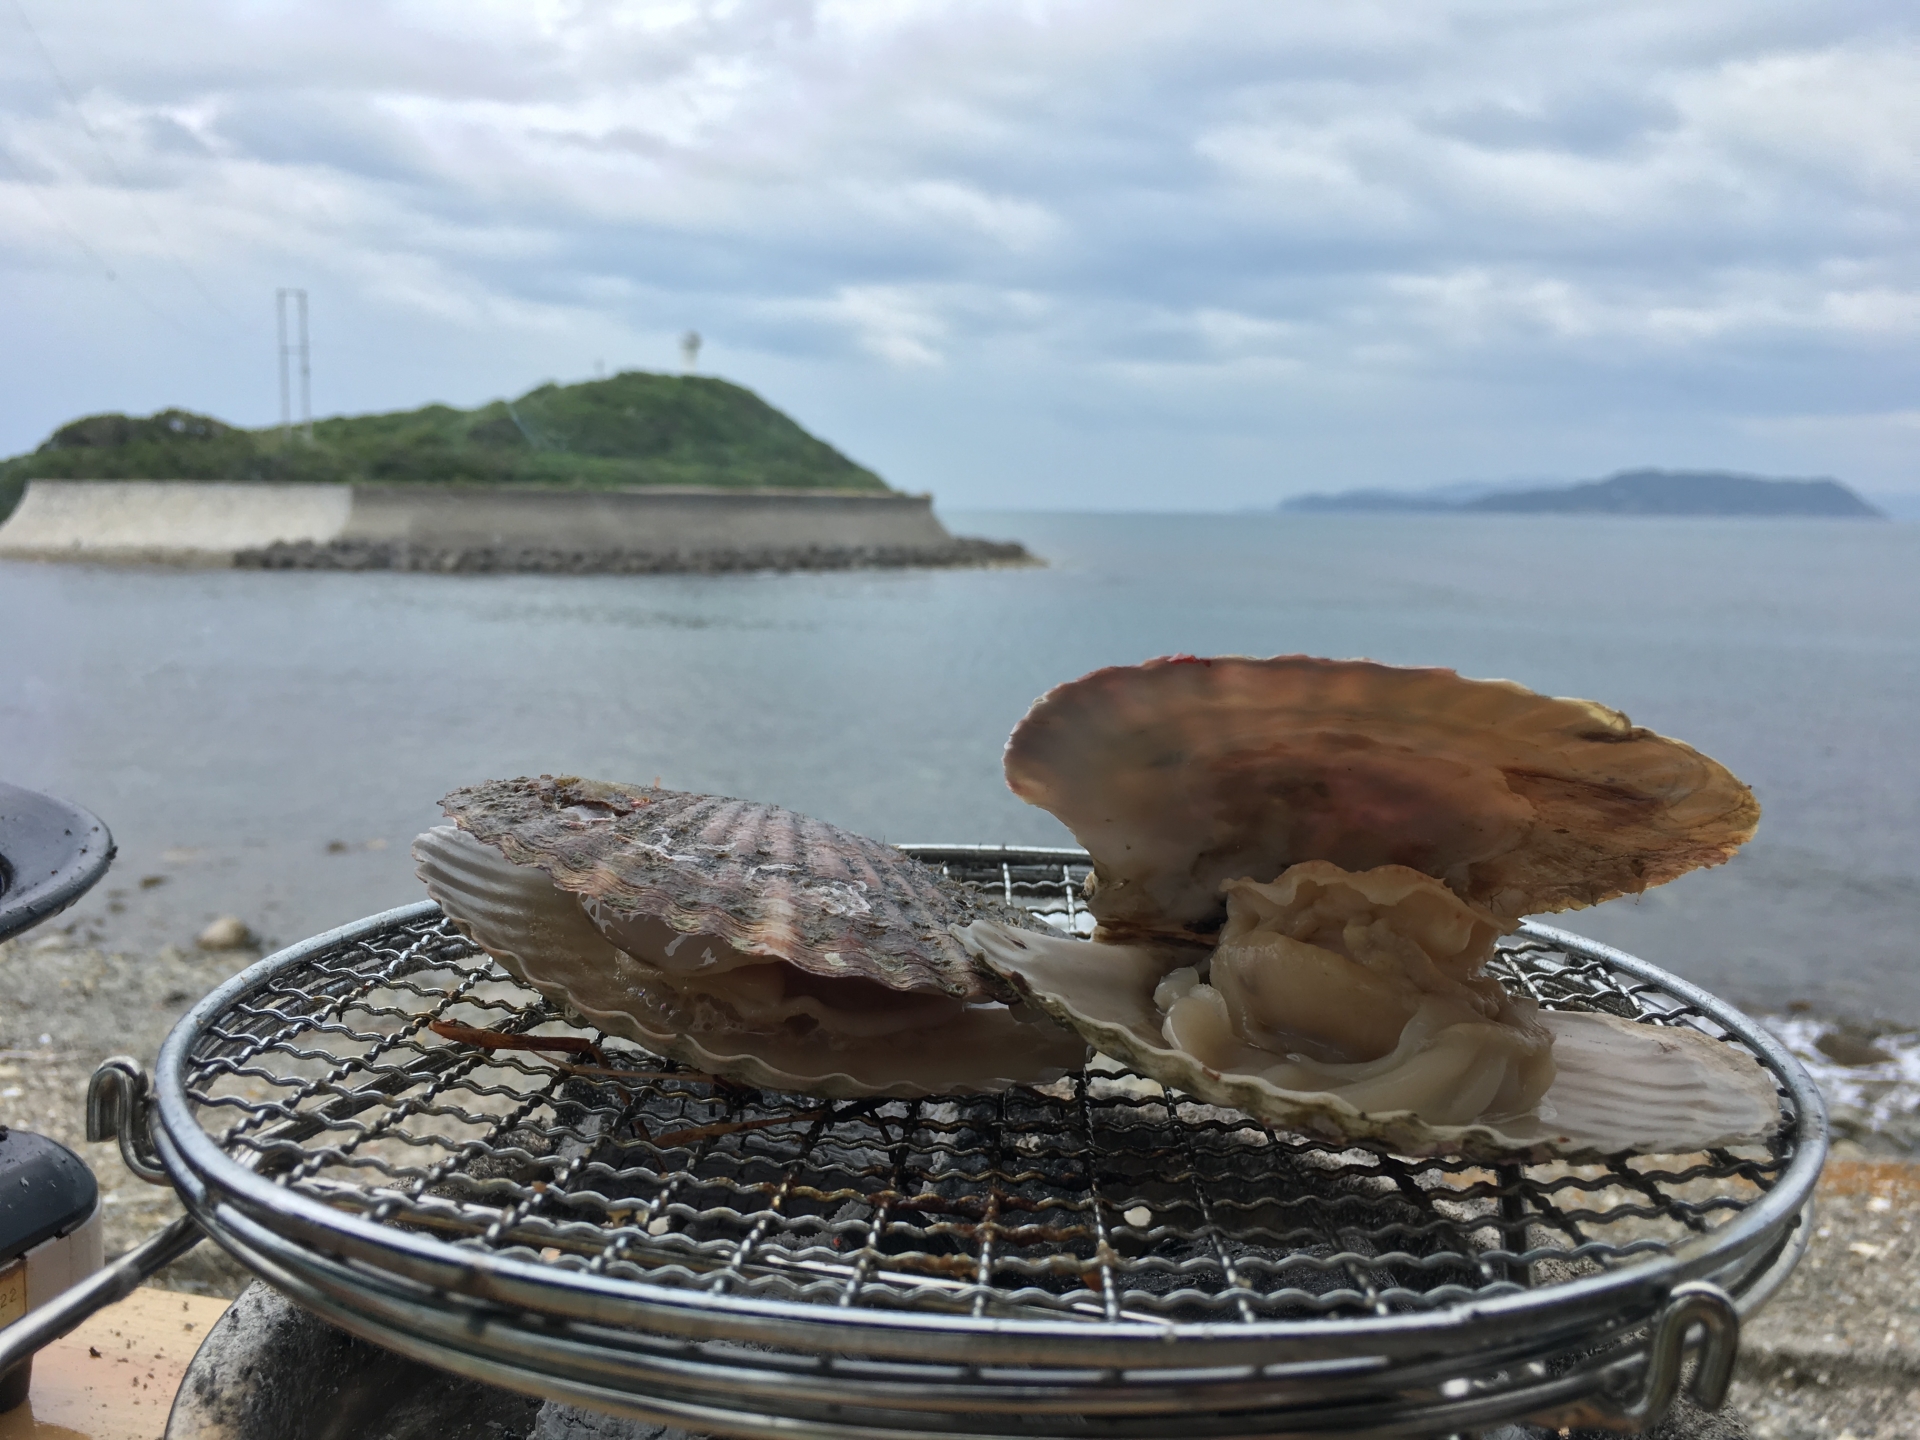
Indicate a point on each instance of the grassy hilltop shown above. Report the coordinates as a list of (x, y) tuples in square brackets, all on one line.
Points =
[(633, 429)]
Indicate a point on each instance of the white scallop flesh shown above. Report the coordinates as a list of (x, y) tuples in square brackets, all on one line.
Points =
[(1369, 985), (1454, 1081)]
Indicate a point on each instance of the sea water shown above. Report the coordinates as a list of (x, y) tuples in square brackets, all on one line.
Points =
[(266, 743)]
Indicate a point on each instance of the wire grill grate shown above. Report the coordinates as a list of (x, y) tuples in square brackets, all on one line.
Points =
[(1099, 1198)]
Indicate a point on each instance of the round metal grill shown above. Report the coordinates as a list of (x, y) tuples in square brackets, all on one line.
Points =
[(387, 1126)]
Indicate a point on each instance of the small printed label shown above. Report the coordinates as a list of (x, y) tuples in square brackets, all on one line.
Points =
[(13, 1292)]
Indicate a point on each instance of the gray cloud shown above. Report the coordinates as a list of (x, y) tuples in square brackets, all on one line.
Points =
[(1310, 245)]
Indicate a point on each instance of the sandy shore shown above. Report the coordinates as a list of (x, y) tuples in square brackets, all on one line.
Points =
[(1837, 1351), (63, 1011), (1835, 1355)]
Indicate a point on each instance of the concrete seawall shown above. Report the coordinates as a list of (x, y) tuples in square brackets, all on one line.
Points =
[(191, 523), (462, 527), (657, 521)]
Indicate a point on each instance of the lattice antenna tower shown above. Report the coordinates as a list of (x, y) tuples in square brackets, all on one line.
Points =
[(288, 349)]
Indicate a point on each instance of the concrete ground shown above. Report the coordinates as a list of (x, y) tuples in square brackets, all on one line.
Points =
[(1834, 1356), (1837, 1352)]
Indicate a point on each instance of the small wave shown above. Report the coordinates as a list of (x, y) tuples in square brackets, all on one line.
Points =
[(1871, 1080)]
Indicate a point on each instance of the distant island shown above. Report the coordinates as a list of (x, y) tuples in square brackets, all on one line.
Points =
[(1631, 492), (634, 429), (638, 474)]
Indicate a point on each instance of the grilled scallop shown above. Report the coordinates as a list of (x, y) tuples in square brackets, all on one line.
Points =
[(1300, 869), (744, 939)]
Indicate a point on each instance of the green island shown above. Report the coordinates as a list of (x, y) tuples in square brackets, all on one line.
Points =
[(636, 428)]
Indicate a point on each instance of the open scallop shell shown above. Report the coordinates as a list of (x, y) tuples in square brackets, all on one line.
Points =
[(1182, 773), (1620, 1086), (744, 940)]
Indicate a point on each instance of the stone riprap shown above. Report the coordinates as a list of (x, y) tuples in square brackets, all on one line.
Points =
[(540, 560)]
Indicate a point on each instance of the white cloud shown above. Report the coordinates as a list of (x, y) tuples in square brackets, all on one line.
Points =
[(1479, 306), (1007, 221), (890, 321), (914, 326), (1840, 118)]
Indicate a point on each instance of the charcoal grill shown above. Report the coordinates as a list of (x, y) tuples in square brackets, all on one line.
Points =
[(1095, 1258)]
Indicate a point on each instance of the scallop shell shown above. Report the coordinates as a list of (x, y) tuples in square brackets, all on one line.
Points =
[(1182, 773), (744, 940), (1620, 1086), (766, 880)]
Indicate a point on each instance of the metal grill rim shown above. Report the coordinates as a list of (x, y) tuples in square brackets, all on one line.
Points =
[(1737, 1252)]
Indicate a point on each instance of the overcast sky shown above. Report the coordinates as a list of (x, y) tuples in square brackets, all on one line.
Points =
[(1125, 254)]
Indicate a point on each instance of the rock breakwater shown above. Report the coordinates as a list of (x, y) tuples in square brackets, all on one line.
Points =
[(961, 551)]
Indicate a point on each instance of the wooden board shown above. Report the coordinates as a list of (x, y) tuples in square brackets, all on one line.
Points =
[(114, 1377)]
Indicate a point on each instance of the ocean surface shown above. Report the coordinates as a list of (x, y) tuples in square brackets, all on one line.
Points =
[(266, 743)]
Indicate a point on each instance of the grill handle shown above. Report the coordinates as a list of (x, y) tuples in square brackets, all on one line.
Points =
[(1695, 1303), (118, 1097)]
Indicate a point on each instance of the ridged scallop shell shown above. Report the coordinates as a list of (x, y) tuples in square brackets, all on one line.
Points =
[(1182, 773), (766, 880), (1620, 1086), (777, 950)]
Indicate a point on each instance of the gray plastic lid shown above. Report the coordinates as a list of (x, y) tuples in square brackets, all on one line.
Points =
[(45, 1190)]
